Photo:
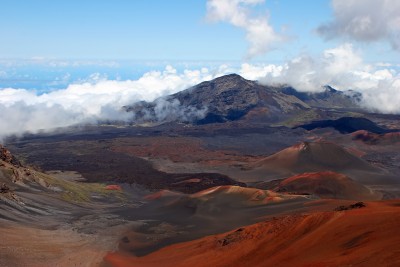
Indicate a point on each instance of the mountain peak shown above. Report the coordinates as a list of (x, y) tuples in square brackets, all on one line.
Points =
[(230, 76), (232, 97), (228, 82), (330, 89)]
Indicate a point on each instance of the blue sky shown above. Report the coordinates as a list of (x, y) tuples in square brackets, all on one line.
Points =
[(173, 30)]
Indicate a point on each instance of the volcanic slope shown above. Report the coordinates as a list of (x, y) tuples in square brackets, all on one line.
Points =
[(27, 194), (174, 217), (360, 236), (48, 221), (313, 156), (324, 185), (230, 98)]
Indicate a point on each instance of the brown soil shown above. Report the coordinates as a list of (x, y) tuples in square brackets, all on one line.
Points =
[(26, 246)]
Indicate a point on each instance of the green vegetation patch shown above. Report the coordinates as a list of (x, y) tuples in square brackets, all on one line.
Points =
[(301, 118), (76, 191)]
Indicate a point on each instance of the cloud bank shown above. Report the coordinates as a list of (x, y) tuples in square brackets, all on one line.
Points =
[(259, 33), (97, 99), (365, 21), (336, 67), (342, 68)]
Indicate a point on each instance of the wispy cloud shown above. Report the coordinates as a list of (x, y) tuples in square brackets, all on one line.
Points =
[(365, 21), (260, 35)]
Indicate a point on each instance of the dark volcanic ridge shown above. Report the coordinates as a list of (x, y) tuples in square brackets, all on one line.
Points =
[(348, 125), (328, 98)]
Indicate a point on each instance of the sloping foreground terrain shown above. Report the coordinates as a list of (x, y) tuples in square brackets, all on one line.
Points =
[(367, 236), (49, 221)]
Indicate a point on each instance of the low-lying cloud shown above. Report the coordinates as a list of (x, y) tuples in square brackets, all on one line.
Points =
[(365, 21), (260, 35), (342, 68), (97, 99), (339, 67)]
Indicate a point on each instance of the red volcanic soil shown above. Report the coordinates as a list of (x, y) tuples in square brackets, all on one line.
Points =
[(225, 196), (162, 194), (326, 185), (367, 236), (113, 187), (374, 139)]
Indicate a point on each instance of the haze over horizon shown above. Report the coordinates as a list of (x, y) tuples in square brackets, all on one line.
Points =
[(64, 63)]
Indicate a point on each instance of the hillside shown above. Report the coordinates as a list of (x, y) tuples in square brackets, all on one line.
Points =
[(312, 156), (365, 236), (326, 185), (226, 98)]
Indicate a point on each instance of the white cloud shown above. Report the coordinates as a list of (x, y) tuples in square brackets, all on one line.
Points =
[(92, 100), (255, 72), (385, 97), (341, 68), (365, 21), (335, 67), (259, 33)]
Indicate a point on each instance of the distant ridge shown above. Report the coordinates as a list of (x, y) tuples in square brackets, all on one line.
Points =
[(347, 125), (232, 97), (328, 98)]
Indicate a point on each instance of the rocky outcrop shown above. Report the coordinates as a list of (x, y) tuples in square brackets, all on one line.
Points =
[(6, 156), (4, 188)]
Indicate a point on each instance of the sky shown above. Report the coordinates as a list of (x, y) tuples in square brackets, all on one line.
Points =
[(69, 62), (172, 30)]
